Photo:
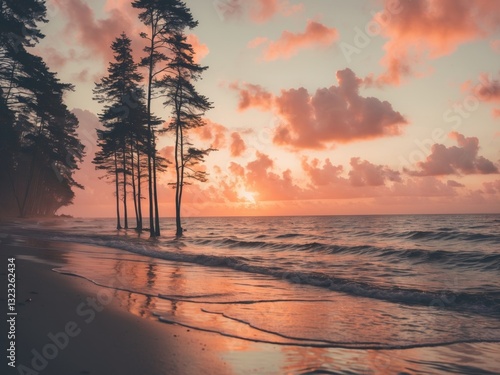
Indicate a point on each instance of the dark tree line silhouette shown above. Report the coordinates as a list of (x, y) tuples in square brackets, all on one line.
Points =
[(39, 148)]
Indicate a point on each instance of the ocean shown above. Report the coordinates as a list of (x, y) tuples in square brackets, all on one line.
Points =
[(340, 284)]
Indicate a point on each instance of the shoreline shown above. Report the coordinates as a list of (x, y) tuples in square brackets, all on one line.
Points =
[(120, 340), (66, 325)]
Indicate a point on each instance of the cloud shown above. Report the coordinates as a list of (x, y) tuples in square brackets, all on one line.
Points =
[(488, 90), (254, 43), (236, 169), (365, 179), (429, 29), (251, 95), (364, 173), (427, 186), (259, 11), (453, 183), (322, 176), (289, 44), (237, 145), (335, 114), (201, 50), (54, 58), (495, 45), (167, 152), (461, 159), (269, 185), (492, 187), (213, 132), (96, 35)]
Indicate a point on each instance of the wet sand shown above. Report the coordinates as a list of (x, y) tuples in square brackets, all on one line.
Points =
[(95, 334)]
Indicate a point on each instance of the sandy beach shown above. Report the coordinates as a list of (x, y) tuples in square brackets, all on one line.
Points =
[(68, 325), (108, 341)]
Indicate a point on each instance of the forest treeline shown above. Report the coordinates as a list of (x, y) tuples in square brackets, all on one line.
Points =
[(39, 148)]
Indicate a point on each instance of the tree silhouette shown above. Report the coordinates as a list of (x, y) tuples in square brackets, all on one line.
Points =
[(188, 109), (39, 148), (163, 19), (122, 142)]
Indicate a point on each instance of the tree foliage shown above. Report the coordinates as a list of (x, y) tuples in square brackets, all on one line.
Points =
[(39, 147), (188, 109), (123, 141)]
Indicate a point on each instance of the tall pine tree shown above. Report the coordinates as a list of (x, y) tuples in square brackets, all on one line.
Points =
[(123, 140), (188, 109), (163, 19)]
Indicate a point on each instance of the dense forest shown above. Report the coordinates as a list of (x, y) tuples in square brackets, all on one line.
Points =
[(39, 149)]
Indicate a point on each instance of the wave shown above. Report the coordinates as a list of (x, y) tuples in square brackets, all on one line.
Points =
[(448, 235), (394, 255), (175, 250), (487, 303)]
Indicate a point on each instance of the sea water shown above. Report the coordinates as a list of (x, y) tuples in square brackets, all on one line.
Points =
[(342, 282)]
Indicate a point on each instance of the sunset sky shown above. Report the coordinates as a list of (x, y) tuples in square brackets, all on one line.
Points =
[(320, 106)]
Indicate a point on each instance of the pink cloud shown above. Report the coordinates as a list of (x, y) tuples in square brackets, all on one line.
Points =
[(236, 169), (430, 29), (96, 35), (254, 43), (488, 90), (52, 57), (337, 113), (289, 44), (427, 186), (453, 183), (332, 114), (461, 159), (258, 11), (167, 152), (322, 176), (252, 96), (201, 50), (364, 173), (213, 132), (237, 145), (270, 185), (492, 187), (365, 179)]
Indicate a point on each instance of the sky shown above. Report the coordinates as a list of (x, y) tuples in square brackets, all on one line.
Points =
[(321, 107)]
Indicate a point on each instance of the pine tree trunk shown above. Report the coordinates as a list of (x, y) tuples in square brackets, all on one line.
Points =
[(139, 204), (181, 187), (150, 172), (132, 168), (124, 158), (157, 216), (118, 223)]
